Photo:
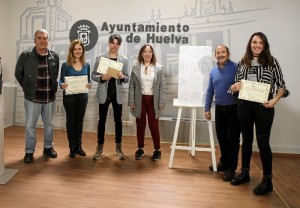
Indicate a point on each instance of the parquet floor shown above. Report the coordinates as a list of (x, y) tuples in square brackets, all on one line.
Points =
[(109, 182)]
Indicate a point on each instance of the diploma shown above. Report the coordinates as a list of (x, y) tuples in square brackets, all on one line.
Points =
[(76, 85), (110, 67), (254, 91)]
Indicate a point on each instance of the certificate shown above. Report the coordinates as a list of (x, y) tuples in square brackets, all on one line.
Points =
[(110, 67), (254, 91), (76, 85)]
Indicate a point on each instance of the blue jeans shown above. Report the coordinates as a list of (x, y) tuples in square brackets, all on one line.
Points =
[(33, 111)]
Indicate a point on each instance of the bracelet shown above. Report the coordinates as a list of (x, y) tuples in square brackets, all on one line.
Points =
[(230, 90)]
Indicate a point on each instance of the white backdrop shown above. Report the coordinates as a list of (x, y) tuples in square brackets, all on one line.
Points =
[(210, 23)]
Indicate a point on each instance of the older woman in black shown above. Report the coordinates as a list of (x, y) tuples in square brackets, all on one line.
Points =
[(258, 65)]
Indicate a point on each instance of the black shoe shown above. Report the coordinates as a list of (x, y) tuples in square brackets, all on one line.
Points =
[(228, 175), (264, 187), (50, 152), (139, 154), (156, 155), (220, 167), (80, 151), (72, 153), (28, 158), (242, 177)]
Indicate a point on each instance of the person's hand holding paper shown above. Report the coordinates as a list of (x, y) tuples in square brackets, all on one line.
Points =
[(110, 67), (254, 91)]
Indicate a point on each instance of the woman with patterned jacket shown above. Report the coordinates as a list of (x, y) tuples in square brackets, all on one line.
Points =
[(258, 65)]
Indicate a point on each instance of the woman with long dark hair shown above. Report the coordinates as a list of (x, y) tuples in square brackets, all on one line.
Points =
[(258, 65)]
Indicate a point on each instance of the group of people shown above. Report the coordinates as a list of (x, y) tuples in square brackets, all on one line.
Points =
[(234, 116), (37, 71)]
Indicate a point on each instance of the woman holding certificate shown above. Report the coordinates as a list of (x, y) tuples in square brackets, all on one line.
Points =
[(261, 69), (75, 80), (146, 98)]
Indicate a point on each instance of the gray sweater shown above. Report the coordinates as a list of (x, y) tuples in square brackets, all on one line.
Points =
[(135, 90), (101, 93)]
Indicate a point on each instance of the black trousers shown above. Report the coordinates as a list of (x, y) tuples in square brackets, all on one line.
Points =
[(75, 106), (228, 134), (103, 109), (251, 113)]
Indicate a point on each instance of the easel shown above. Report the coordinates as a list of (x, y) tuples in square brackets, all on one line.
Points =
[(192, 144), (5, 174)]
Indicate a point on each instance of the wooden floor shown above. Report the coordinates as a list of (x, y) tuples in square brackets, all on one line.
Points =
[(286, 177), (109, 182)]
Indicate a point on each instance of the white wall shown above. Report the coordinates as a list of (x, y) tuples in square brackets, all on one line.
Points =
[(281, 26), (279, 20), (7, 53)]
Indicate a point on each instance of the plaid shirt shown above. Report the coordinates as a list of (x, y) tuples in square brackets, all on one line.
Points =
[(44, 93)]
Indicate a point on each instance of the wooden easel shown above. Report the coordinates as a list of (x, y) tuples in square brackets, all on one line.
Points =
[(192, 144)]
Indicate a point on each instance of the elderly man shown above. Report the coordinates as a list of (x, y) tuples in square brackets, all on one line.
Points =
[(222, 76), (37, 71)]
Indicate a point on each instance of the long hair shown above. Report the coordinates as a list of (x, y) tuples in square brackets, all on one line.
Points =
[(265, 58), (140, 57), (71, 58)]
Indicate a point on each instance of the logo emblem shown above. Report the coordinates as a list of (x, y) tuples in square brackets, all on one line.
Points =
[(85, 31), (84, 34)]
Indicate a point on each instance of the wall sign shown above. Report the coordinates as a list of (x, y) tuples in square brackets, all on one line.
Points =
[(85, 31)]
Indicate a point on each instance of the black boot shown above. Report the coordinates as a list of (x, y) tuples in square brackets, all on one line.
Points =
[(265, 186), (72, 153), (242, 177), (229, 175), (80, 151)]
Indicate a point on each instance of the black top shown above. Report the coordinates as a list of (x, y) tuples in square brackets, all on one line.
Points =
[(111, 90)]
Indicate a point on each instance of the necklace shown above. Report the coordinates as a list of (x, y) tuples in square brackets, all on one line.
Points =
[(146, 68)]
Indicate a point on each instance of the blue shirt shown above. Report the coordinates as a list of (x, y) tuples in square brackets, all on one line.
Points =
[(68, 70), (219, 82)]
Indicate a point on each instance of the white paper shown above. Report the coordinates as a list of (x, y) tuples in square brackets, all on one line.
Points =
[(76, 85), (106, 62), (195, 63), (254, 91)]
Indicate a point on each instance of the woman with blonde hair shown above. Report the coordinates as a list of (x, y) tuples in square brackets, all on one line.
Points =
[(75, 104)]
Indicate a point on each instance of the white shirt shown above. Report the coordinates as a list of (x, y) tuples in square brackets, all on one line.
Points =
[(147, 78)]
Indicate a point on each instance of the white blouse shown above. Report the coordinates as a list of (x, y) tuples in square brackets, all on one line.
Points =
[(147, 78)]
